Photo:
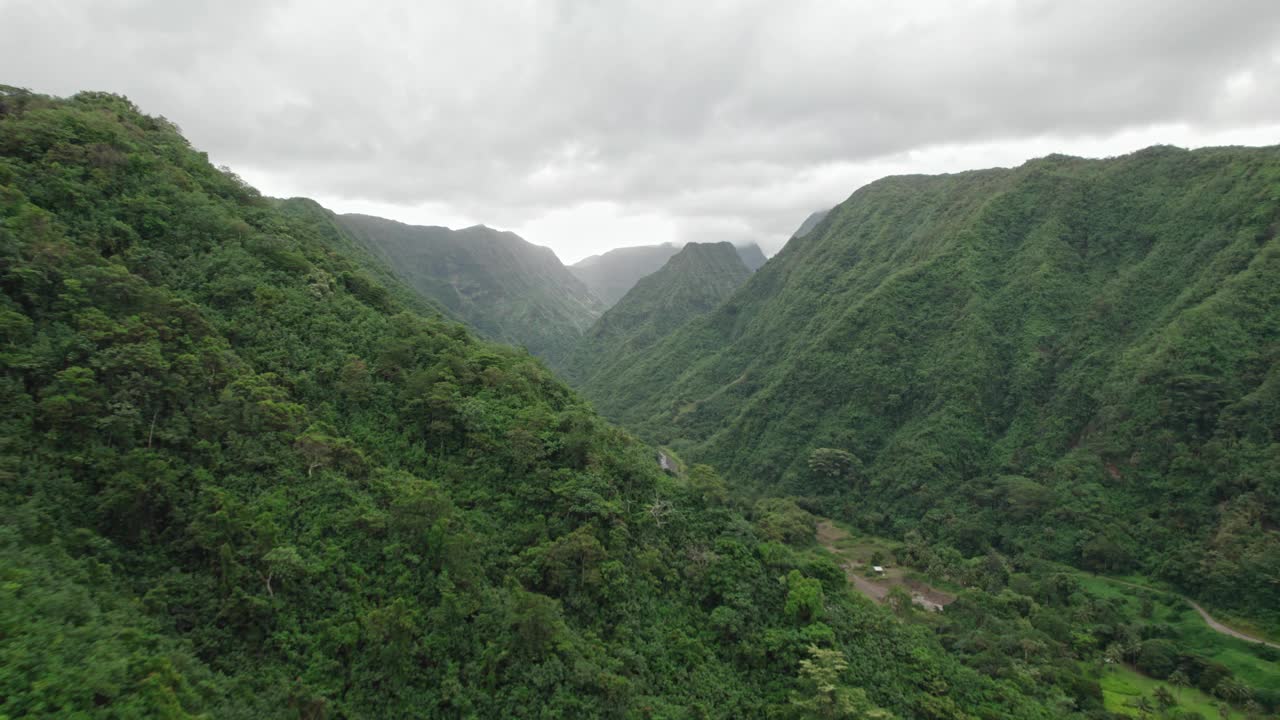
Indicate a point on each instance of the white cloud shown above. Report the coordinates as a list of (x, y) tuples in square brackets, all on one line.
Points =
[(591, 125)]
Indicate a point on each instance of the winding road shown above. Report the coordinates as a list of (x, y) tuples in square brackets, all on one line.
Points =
[(1204, 614), (829, 534)]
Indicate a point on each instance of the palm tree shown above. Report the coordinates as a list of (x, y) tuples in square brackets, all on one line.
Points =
[(1178, 679)]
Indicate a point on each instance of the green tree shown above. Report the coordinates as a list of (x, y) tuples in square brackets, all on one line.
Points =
[(822, 694)]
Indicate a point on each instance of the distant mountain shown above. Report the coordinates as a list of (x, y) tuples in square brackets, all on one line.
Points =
[(610, 275), (692, 283), (752, 256), (810, 223), (1074, 358), (500, 284)]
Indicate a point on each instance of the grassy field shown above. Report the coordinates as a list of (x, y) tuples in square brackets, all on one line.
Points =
[(1122, 686), (1253, 664)]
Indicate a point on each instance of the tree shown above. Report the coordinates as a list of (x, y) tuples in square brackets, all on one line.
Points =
[(822, 695), (804, 598), (833, 470), (1178, 679), (1164, 698)]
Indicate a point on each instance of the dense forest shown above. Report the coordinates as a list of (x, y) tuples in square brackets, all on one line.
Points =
[(246, 474), (249, 471), (1075, 360)]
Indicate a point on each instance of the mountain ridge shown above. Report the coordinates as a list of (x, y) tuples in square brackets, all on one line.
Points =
[(614, 272), (691, 283), (504, 286)]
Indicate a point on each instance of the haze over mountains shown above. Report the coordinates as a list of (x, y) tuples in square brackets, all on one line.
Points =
[(611, 274), (508, 289), (511, 290), (691, 283)]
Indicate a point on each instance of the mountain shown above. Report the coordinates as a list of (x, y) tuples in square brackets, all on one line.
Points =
[(610, 275), (692, 283), (810, 223), (498, 283), (244, 475), (1074, 359), (752, 256)]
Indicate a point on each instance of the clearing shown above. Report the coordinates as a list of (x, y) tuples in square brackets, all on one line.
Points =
[(855, 556)]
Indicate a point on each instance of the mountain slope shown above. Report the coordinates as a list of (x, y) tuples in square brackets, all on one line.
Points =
[(1074, 358), (240, 477), (692, 283), (612, 274), (503, 286)]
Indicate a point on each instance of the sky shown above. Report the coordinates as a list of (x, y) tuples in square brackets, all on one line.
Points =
[(591, 124)]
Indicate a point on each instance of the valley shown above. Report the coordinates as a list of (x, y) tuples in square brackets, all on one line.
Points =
[(262, 459)]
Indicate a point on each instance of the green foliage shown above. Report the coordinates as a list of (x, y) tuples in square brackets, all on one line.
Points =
[(1075, 359), (824, 695), (244, 474)]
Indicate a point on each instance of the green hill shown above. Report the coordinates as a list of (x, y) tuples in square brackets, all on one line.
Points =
[(692, 283), (1078, 359), (612, 274), (243, 476), (503, 286)]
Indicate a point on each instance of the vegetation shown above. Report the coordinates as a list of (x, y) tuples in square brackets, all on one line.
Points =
[(611, 274), (1076, 360), (244, 475), (504, 287), (692, 283)]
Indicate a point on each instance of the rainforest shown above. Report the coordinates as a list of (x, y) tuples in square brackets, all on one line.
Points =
[(996, 444)]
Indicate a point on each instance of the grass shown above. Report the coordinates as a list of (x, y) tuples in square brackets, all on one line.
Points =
[(1122, 686), (1193, 635)]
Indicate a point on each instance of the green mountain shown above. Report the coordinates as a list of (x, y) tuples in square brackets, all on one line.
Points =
[(503, 286), (1074, 359), (692, 283), (612, 274), (243, 476)]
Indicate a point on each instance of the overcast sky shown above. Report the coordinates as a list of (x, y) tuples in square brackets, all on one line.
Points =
[(594, 124)]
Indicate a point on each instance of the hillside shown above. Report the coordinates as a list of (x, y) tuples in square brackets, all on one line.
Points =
[(1076, 359), (692, 283), (506, 288), (244, 477), (612, 274)]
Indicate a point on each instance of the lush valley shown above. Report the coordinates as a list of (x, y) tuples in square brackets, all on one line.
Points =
[(692, 283), (1076, 360), (504, 287), (247, 474)]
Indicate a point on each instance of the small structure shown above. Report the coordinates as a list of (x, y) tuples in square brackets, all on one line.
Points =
[(877, 569)]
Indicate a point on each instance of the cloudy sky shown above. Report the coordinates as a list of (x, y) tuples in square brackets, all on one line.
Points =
[(591, 124)]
